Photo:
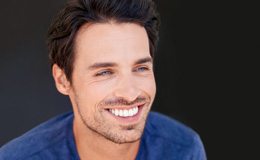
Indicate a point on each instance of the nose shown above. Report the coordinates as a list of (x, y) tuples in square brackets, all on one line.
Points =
[(127, 88)]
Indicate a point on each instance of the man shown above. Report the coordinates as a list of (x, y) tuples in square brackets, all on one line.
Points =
[(102, 58)]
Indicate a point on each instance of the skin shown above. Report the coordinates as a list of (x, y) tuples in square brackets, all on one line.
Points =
[(112, 69)]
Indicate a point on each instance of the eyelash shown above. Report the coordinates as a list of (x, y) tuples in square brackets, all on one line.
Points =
[(141, 69), (103, 73), (108, 72)]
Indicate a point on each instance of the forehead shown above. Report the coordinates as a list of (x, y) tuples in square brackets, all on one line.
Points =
[(111, 42)]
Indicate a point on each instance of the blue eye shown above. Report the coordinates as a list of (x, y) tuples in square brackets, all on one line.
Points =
[(141, 69), (104, 73)]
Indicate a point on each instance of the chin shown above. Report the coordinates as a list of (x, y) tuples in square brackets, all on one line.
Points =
[(128, 134), (126, 139)]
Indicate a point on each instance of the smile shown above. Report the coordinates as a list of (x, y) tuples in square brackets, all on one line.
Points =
[(124, 112)]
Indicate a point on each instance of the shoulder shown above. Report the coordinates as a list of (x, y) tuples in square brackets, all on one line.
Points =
[(37, 139), (168, 128), (173, 136)]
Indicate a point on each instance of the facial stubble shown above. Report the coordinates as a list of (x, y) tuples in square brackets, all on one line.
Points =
[(97, 127)]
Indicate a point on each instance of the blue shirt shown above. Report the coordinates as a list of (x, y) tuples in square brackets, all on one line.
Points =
[(163, 138)]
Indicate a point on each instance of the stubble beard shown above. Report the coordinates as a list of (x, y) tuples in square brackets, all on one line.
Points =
[(113, 133)]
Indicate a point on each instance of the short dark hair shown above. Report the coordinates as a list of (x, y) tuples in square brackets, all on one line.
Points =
[(76, 13)]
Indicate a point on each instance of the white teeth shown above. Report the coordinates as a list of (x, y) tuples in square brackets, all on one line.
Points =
[(121, 113), (130, 113), (116, 112), (125, 112)]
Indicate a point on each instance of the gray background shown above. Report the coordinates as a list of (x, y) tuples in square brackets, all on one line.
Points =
[(201, 69)]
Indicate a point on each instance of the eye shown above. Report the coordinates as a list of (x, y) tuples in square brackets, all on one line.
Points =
[(141, 69), (104, 73)]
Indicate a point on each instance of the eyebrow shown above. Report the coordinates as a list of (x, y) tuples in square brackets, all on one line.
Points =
[(102, 65), (144, 60), (111, 64)]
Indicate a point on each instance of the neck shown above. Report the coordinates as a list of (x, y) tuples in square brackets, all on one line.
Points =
[(91, 145)]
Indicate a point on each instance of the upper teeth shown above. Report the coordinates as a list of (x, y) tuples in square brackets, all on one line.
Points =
[(124, 112)]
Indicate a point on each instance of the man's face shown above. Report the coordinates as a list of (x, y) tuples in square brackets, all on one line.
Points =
[(113, 84)]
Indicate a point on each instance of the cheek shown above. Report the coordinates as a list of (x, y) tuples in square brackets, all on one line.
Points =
[(90, 90), (95, 93), (152, 87), (87, 96), (148, 85)]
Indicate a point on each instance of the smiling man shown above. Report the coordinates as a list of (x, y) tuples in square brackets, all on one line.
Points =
[(102, 53)]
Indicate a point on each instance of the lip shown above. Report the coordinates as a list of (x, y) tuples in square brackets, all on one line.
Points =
[(128, 120), (127, 108)]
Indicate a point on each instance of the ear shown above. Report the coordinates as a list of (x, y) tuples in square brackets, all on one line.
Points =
[(62, 84)]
